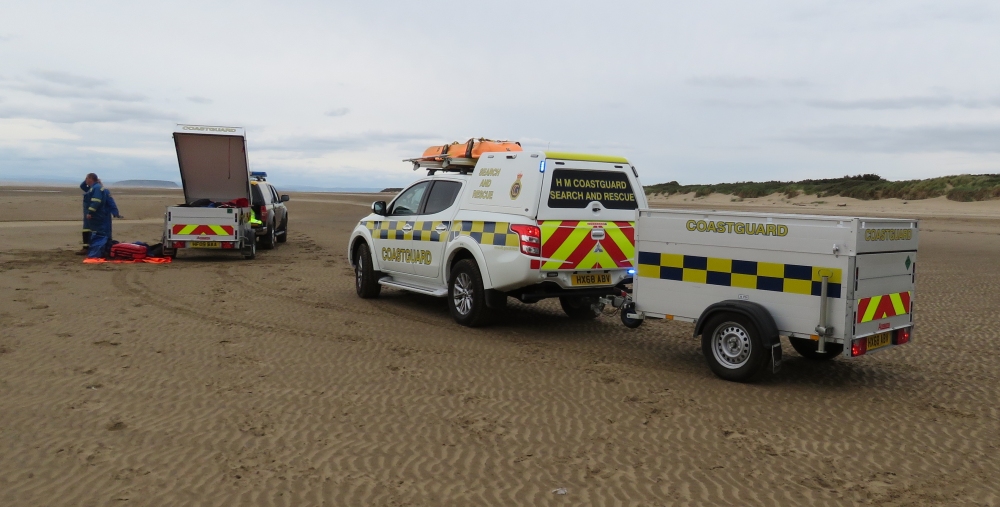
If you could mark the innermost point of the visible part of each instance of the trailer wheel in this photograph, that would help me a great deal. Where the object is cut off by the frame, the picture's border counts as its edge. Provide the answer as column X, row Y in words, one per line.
column 250, row 252
column 581, row 307
column 807, row 349
column 365, row 277
column 733, row 348
column 466, row 296
column 626, row 309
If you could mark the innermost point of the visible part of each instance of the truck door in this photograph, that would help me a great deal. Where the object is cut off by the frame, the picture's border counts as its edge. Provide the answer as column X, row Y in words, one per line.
column 430, row 229
column 393, row 235
column 586, row 214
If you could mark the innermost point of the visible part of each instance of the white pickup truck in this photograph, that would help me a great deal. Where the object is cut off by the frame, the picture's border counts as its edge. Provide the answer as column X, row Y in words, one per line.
column 835, row 286
column 527, row 225
column 216, row 213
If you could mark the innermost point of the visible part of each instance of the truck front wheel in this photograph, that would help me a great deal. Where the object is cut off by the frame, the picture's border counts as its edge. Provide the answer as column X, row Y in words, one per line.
column 732, row 345
column 466, row 296
column 808, row 349
column 365, row 276
column 581, row 307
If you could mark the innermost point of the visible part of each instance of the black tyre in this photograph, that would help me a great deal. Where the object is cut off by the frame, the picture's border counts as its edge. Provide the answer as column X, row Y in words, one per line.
column 626, row 309
column 807, row 349
column 268, row 240
column 466, row 296
column 250, row 251
column 284, row 231
column 581, row 307
column 733, row 347
column 365, row 276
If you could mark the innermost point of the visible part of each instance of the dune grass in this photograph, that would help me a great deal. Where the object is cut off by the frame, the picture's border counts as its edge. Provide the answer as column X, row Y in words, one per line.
column 965, row 187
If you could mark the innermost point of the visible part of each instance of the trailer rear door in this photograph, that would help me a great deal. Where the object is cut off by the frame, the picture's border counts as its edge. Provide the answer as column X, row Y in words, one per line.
column 213, row 163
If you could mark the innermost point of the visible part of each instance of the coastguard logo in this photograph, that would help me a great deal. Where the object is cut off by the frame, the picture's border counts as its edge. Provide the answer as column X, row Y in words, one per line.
column 515, row 189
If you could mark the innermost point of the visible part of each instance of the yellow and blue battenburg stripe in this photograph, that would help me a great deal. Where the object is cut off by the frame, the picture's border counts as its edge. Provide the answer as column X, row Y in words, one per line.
column 769, row 276
column 421, row 230
column 486, row 233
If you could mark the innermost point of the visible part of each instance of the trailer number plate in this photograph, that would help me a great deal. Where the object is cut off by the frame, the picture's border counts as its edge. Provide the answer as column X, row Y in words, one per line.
column 205, row 244
column 879, row 340
column 594, row 279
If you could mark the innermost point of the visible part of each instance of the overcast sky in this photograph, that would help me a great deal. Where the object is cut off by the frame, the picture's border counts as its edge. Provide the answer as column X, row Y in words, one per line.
column 335, row 94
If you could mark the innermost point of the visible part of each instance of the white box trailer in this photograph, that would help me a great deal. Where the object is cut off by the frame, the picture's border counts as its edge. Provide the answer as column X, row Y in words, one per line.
column 214, row 169
column 832, row 285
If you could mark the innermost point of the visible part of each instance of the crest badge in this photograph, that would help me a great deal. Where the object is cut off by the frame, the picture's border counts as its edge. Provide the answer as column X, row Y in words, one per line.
column 515, row 189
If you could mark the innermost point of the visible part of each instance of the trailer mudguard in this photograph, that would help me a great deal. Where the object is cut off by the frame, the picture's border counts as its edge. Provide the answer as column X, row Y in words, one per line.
column 755, row 312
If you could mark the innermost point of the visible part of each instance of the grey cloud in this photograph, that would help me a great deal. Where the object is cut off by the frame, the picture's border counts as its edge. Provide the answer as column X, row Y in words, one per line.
column 340, row 111
column 93, row 113
column 325, row 144
column 199, row 100
column 924, row 139
column 906, row 103
column 67, row 79
column 727, row 81
column 56, row 84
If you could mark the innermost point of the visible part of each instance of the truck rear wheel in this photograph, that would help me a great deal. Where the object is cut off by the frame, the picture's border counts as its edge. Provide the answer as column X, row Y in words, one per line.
column 284, row 231
column 807, row 349
column 581, row 307
column 365, row 276
column 268, row 240
column 466, row 296
column 732, row 345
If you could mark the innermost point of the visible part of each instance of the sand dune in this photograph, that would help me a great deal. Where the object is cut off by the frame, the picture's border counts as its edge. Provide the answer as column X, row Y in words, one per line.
column 219, row 381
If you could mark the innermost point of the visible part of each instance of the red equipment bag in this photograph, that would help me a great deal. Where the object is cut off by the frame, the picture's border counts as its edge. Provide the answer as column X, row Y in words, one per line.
column 128, row 252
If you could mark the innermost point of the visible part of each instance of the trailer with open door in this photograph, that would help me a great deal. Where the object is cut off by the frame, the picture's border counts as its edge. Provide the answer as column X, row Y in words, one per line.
column 216, row 213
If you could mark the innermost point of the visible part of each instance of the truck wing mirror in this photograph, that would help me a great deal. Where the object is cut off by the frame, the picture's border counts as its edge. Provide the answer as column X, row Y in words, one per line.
column 378, row 207
column 285, row 198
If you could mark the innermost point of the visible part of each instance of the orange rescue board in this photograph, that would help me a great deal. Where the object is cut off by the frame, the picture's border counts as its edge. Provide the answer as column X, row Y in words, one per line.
column 473, row 148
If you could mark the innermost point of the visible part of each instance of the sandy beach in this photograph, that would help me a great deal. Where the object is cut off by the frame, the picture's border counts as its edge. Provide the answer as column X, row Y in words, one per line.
column 218, row 381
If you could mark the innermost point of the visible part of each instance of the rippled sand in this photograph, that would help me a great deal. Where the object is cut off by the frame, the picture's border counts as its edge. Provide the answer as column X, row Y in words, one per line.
column 219, row 381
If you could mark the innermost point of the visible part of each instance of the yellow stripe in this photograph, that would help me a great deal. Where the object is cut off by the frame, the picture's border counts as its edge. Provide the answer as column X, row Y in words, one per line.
column 623, row 243
column 188, row 229
column 897, row 304
column 870, row 311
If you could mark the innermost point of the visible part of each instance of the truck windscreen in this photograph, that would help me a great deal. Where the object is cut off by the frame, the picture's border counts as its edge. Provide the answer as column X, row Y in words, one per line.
column 575, row 188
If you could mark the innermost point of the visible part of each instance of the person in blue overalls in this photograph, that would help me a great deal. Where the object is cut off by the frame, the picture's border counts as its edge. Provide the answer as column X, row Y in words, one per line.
column 100, row 208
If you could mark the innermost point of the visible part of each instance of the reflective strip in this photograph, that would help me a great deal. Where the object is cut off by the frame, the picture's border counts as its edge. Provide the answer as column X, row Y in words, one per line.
column 421, row 230
column 884, row 306
column 769, row 276
column 570, row 244
column 202, row 230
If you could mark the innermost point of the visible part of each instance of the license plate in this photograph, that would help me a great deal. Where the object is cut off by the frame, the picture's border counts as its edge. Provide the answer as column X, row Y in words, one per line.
column 594, row 279
column 206, row 244
column 879, row 340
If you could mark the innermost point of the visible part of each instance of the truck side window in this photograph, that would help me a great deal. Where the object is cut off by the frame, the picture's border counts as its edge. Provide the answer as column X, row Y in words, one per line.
column 274, row 195
column 408, row 203
column 442, row 196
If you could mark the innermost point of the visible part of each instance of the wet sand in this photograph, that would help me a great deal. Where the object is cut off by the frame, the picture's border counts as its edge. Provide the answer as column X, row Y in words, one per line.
column 219, row 381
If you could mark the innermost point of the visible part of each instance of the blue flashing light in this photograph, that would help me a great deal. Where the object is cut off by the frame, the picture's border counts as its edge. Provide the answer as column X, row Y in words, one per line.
column 541, row 166
column 258, row 174
column 631, row 271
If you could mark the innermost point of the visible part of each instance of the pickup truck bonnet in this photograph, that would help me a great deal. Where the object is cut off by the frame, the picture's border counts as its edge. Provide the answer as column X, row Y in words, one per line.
column 213, row 162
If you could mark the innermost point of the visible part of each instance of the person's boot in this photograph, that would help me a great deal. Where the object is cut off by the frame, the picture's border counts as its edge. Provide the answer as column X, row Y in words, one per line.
column 84, row 250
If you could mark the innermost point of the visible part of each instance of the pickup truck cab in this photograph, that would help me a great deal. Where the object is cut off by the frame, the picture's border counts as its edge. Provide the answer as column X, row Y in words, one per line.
column 270, row 210
column 525, row 225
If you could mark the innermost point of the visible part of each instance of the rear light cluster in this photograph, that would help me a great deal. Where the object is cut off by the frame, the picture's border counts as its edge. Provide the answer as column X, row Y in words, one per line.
column 530, row 237
column 859, row 347
column 179, row 244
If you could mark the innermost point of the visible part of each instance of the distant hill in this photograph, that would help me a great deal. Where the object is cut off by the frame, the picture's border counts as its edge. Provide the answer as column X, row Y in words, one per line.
column 146, row 184
column 965, row 187
column 391, row 189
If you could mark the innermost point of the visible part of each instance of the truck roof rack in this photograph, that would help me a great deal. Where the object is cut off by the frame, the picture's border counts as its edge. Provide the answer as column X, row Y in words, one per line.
column 443, row 163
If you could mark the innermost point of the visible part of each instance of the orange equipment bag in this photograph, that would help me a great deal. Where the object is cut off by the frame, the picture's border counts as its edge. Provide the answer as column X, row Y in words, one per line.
column 472, row 148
